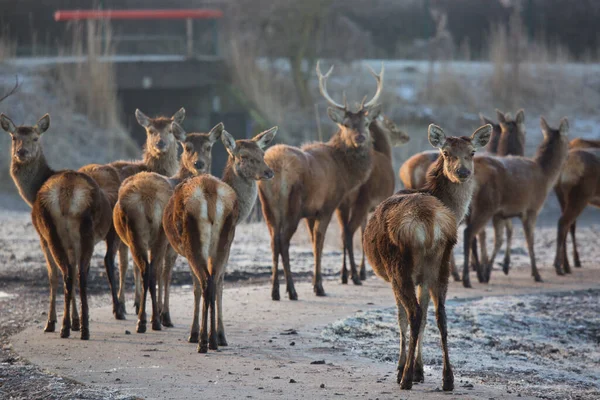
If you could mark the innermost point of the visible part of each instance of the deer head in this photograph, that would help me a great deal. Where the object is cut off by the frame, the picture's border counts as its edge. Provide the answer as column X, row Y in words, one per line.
column 25, row 139
column 159, row 131
column 515, row 126
column 354, row 126
column 247, row 155
column 552, row 135
column 197, row 148
column 397, row 136
column 458, row 152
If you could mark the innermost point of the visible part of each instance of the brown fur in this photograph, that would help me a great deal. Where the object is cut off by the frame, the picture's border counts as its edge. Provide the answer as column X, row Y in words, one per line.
column 409, row 239
column 69, row 213
column 162, row 161
column 312, row 181
column 354, row 209
column 577, row 186
column 580, row 143
column 138, row 221
column 200, row 221
column 515, row 187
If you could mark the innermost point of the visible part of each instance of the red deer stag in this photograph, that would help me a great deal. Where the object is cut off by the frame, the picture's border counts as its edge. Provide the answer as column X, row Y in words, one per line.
column 312, row 181
column 354, row 210
column 515, row 186
column 69, row 212
column 200, row 221
column 138, row 220
column 409, row 240
column 577, row 186
column 160, row 156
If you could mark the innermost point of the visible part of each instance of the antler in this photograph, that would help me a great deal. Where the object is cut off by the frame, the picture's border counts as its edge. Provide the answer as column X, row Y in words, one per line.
column 379, row 79
column 323, row 89
column 13, row 90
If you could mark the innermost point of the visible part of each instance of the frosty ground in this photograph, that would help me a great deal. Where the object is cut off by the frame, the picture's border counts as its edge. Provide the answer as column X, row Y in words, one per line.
column 510, row 338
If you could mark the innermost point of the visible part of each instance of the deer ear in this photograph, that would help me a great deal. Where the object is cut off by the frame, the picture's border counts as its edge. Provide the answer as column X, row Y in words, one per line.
column 43, row 124
column 263, row 139
column 228, row 142
column 520, row 117
column 544, row 125
column 500, row 116
column 335, row 115
column 215, row 132
column 142, row 118
column 373, row 112
column 564, row 127
column 7, row 124
column 178, row 131
column 481, row 136
column 437, row 137
column 485, row 120
column 179, row 116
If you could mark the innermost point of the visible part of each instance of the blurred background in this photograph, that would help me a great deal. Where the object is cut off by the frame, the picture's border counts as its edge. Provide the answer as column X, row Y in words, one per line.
column 251, row 64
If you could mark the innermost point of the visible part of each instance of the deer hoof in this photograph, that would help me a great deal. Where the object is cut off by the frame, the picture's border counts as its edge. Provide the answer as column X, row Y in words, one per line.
column 141, row 327
column 121, row 309
column 448, row 384
column 75, row 324
column 50, row 326
column 567, row 269
column 456, row 277
column 212, row 343
column 193, row 337
column 405, row 384
column 506, row 267
column 292, row 294
column 156, row 326
column 203, row 347
column 559, row 270
column 538, row 278
column 275, row 295
column 221, row 339
column 344, row 279
column 65, row 332
column 356, row 280
column 85, row 334
column 418, row 375
column 165, row 319
column 137, row 308
column 119, row 312
column 319, row 291
column 363, row 274
column 577, row 263
column 467, row 283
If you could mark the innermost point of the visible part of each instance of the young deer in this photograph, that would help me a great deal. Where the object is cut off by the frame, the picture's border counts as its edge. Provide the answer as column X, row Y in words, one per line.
column 138, row 220
column 515, row 187
column 354, row 209
column 409, row 240
column 160, row 156
column 200, row 221
column 311, row 182
column 577, row 186
column 69, row 212
column 577, row 143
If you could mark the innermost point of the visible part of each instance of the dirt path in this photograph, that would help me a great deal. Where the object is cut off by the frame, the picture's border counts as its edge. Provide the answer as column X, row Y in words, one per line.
column 262, row 360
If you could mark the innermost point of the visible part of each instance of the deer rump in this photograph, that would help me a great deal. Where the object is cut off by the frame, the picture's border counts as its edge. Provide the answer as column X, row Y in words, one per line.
column 411, row 231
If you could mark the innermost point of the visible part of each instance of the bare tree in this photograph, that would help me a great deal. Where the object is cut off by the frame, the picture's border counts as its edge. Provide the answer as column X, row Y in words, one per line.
column 12, row 91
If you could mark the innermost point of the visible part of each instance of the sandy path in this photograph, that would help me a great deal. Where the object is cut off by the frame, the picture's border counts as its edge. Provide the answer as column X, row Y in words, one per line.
column 260, row 361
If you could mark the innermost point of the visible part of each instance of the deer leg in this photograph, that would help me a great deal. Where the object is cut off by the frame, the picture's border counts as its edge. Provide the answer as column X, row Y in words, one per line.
column 403, row 324
column 285, row 259
column 123, row 261
column 574, row 207
column 423, row 295
column 170, row 258
column 576, row 259
column 75, row 321
column 68, row 279
column 474, row 226
column 221, row 339
column 275, row 250
column 212, row 337
column 509, row 233
column 53, row 280
column 139, row 289
column 357, row 219
column 529, row 226
column 363, row 267
column 498, row 223
column 112, row 244
column 140, row 259
column 343, row 214
column 320, row 228
column 87, row 250
column 157, row 259
column 454, row 269
column 484, row 259
column 438, row 295
column 195, row 330
column 475, row 264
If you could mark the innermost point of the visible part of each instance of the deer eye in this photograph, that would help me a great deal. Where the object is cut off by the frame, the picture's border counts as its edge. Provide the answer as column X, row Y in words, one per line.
column 445, row 153
column 35, row 139
column 472, row 154
column 14, row 139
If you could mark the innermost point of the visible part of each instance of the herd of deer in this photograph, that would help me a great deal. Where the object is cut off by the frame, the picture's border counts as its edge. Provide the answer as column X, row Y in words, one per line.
column 159, row 207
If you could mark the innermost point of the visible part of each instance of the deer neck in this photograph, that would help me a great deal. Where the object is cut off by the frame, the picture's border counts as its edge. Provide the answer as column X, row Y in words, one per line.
column 29, row 177
column 164, row 164
column 381, row 141
column 355, row 162
column 550, row 157
column 455, row 196
column 245, row 189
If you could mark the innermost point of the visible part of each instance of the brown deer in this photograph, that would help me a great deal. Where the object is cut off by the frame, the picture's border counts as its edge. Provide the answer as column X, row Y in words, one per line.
column 160, row 156
column 577, row 186
column 409, row 240
column 354, row 210
column 312, row 181
column 580, row 143
column 200, row 221
column 515, row 186
column 69, row 212
column 138, row 220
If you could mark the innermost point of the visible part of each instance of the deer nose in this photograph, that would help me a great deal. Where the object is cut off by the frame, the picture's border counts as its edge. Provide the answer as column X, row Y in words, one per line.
column 463, row 173
column 199, row 165
column 21, row 153
column 160, row 145
column 360, row 139
column 269, row 174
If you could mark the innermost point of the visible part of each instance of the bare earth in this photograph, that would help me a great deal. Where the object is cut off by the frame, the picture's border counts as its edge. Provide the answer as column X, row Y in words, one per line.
column 511, row 338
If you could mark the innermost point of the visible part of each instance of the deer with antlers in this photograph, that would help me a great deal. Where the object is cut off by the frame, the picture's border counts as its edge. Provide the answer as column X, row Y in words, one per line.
column 409, row 240
column 311, row 182
column 353, row 211
column 69, row 212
